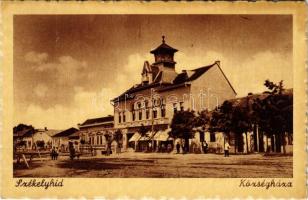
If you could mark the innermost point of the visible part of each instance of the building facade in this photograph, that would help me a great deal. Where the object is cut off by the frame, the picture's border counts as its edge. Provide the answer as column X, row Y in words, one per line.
column 61, row 139
column 94, row 133
column 161, row 92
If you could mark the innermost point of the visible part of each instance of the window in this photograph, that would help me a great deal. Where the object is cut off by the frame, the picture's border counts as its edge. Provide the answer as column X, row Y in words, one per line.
column 90, row 140
column 147, row 114
column 154, row 113
column 97, row 139
column 139, row 105
column 146, row 104
column 133, row 115
column 175, row 108
column 124, row 117
column 119, row 117
column 212, row 137
column 163, row 110
column 182, row 106
column 140, row 115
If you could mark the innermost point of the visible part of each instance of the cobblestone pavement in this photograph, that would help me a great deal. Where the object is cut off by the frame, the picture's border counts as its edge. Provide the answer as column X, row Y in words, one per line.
column 158, row 165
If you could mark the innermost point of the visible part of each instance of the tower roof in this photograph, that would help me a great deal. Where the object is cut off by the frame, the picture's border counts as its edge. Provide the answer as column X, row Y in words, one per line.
column 163, row 48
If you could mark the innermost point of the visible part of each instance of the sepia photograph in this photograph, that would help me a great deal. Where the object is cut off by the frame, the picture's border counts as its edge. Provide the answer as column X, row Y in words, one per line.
column 153, row 96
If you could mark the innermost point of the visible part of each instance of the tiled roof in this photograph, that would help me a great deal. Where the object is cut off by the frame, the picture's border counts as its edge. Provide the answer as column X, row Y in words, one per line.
column 196, row 73
column 164, row 48
column 66, row 132
column 242, row 101
column 24, row 133
column 49, row 132
column 98, row 120
column 170, row 82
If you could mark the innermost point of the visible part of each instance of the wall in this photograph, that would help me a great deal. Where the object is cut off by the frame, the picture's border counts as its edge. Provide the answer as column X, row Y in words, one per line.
column 214, row 89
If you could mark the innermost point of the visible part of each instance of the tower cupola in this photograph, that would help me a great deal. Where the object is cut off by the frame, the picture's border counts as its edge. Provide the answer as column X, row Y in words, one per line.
column 164, row 54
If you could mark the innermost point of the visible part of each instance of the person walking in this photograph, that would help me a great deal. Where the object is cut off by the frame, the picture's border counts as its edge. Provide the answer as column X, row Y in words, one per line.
column 227, row 147
column 205, row 146
column 56, row 154
column 178, row 146
column 53, row 153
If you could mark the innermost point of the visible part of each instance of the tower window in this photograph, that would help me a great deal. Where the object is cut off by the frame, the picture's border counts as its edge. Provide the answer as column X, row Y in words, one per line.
column 119, row 117
column 147, row 113
column 133, row 115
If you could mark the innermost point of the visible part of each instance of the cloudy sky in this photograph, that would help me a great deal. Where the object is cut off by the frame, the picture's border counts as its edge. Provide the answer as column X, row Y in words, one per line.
column 68, row 67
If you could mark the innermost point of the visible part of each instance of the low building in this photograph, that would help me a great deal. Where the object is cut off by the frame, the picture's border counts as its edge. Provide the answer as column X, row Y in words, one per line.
column 94, row 133
column 22, row 137
column 42, row 138
column 61, row 139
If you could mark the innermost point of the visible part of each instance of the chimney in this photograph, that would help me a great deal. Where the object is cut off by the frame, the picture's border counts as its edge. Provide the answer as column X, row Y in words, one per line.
column 46, row 129
column 217, row 62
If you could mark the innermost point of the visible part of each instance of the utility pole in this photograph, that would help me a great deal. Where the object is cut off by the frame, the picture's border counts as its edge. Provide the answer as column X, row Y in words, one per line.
column 152, row 118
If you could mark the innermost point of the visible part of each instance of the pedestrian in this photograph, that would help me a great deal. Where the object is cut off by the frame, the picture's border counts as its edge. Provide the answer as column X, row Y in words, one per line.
column 183, row 148
column 56, row 153
column 150, row 146
column 205, row 147
column 53, row 153
column 178, row 146
column 227, row 147
column 72, row 151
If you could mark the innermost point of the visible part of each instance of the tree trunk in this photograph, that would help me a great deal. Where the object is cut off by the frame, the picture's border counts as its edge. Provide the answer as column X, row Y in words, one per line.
column 261, row 141
column 255, row 138
column 278, row 142
column 246, row 143
column 235, row 143
column 186, row 145
column 283, row 140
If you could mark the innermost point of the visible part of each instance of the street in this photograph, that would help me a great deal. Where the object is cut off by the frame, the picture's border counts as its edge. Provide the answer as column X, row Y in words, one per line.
column 157, row 165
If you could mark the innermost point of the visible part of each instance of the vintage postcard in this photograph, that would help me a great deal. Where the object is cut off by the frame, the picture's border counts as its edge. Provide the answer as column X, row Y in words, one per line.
column 153, row 99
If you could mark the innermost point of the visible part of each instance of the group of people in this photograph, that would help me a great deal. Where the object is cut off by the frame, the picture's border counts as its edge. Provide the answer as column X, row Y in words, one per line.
column 205, row 147
column 54, row 153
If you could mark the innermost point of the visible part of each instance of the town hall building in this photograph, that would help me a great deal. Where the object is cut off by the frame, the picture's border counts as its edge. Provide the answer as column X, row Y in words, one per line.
column 162, row 91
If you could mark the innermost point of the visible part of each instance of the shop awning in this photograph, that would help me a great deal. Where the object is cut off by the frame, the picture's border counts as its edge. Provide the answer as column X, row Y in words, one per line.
column 162, row 135
column 148, row 136
column 135, row 137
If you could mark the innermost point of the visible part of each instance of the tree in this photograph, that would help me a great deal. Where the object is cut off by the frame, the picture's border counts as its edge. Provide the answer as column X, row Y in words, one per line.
column 274, row 113
column 118, row 137
column 182, row 125
column 232, row 117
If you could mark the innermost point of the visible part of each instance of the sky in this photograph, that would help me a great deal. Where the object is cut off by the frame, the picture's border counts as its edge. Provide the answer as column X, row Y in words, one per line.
column 68, row 67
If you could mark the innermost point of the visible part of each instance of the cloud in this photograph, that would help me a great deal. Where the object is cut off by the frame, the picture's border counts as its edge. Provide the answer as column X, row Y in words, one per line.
column 83, row 106
column 40, row 90
column 249, row 75
column 192, row 61
column 36, row 58
column 64, row 71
